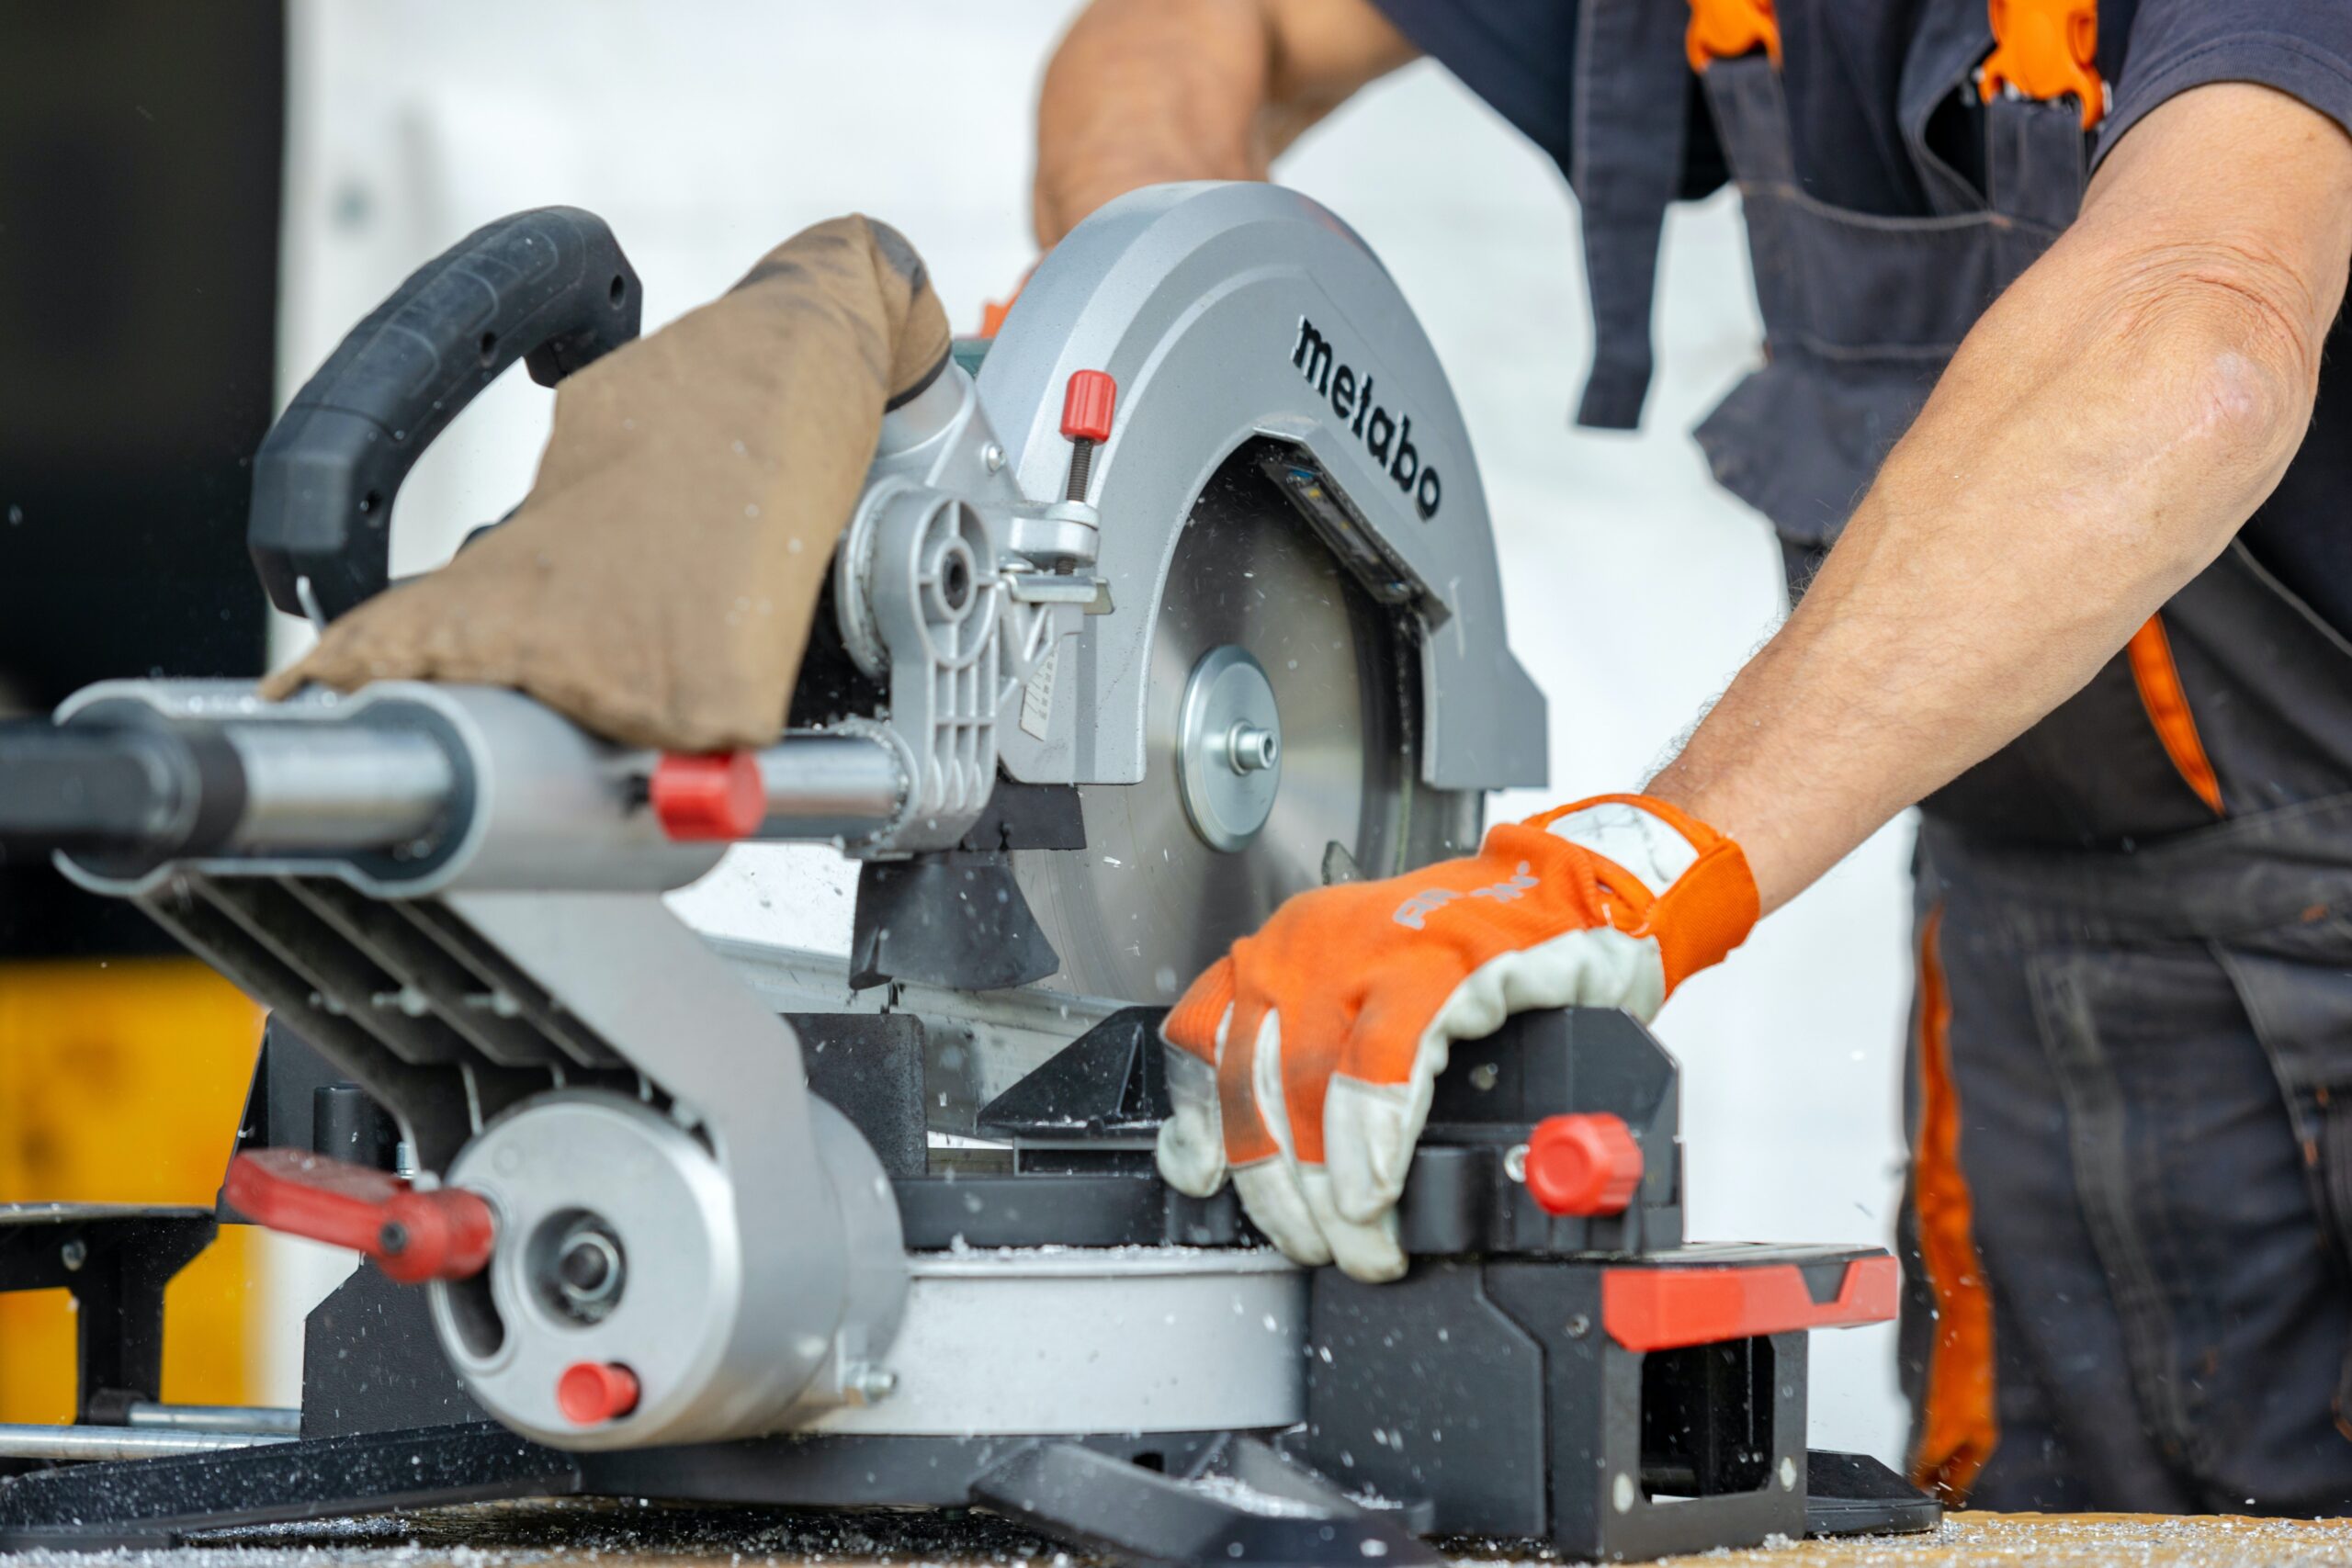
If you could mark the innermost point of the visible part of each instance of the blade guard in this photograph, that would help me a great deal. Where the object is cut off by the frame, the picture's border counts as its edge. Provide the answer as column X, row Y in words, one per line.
column 444, row 1233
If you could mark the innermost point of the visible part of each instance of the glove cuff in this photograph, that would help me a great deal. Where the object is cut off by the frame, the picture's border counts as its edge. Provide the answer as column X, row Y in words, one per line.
column 1705, row 901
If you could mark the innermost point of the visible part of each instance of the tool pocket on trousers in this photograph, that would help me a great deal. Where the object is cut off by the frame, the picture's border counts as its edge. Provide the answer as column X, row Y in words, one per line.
column 2104, row 1015
column 2296, row 986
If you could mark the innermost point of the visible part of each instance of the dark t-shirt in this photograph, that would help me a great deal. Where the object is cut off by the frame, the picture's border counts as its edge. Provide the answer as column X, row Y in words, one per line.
column 1842, row 66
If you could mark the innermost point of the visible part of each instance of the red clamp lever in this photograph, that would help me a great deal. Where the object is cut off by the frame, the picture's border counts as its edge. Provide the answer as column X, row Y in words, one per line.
column 702, row 798
column 1087, row 405
column 446, row 1234
column 1585, row 1164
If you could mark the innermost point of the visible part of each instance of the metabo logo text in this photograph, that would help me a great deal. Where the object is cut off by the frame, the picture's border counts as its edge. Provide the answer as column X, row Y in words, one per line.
column 1388, row 437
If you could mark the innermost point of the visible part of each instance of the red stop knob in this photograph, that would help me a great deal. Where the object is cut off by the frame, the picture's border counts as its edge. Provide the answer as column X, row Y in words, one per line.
column 1087, row 406
column 717, row 796
column 1585, row 1164
column 594, row 1392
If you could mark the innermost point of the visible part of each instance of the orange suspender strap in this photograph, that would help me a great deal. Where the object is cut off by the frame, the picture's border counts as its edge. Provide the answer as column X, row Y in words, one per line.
column 1726, row 30
column 2158, row 678
column 2046, row 48
column 1958, row 1426
column 2041, row 48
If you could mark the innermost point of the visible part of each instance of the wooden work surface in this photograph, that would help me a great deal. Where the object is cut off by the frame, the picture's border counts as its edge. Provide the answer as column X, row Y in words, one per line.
column 626, row 1536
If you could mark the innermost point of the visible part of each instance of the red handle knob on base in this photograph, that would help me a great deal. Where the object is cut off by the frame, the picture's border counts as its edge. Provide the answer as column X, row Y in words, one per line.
column 1585, row 1164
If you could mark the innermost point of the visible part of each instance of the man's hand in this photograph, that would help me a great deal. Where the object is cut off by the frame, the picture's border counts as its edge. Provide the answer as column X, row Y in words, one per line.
column 1142, row 92
column 2100, row 437
column 658, row 584
column 1304, row 1061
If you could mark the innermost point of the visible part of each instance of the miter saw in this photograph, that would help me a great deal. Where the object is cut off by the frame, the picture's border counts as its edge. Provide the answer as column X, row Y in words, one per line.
column 1175, row 599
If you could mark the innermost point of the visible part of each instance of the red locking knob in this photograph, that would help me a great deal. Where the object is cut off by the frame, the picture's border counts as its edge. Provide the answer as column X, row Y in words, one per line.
column 1087, row 405
column 717, row 797
column 444, row 1234
column 1585, row 1164
column 591, row 1392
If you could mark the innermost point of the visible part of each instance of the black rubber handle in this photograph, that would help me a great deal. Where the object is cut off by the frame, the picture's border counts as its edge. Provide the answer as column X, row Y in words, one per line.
column 548, row 286
column 135, row 796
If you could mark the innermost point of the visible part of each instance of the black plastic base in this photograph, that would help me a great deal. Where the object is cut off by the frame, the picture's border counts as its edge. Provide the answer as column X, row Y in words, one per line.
column 115, row 1259
column 1856, row 1495
column 156, row 1502
column 1202, row 1498
column 1179, row 1497
column 1496, row 1392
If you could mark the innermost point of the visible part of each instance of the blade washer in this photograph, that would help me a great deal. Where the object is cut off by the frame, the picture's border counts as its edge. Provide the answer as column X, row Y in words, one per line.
column 1229, row 750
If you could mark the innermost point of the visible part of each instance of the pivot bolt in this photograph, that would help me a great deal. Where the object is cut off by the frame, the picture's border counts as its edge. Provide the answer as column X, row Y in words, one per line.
column 588, row 1272
column 1251, row 749
column 869, row 1384
column 578, row 1266
column 1229, row 748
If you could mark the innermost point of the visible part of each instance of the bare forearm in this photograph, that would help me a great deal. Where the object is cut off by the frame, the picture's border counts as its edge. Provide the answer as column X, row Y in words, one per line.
column 1146, row 91
column 2099, row 438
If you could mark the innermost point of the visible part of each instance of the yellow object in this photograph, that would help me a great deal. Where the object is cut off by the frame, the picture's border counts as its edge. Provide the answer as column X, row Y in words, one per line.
column 122, row 1081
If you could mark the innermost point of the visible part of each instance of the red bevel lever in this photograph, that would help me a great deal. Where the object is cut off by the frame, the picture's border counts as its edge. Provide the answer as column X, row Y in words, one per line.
column 446, row 1234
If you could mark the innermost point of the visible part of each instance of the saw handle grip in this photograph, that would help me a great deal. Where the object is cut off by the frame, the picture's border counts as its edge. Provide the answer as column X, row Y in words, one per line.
column 137, row 796
column 550, row 286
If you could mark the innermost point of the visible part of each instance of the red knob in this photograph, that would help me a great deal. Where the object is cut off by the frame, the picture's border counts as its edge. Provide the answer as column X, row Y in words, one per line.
column 1585, row 1164
column 1088, row 404
column 590, row 1393
column 717, row 797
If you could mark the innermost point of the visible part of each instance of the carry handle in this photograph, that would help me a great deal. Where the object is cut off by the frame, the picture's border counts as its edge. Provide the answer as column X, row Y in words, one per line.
column 550, row 286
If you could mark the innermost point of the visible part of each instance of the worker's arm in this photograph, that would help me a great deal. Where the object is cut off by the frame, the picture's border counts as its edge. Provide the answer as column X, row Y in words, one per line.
column 2105, row 430
column 1146, row 91
column 2100, row 437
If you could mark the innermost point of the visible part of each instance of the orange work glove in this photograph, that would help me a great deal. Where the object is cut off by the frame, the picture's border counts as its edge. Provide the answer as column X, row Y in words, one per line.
column 1304, row 1061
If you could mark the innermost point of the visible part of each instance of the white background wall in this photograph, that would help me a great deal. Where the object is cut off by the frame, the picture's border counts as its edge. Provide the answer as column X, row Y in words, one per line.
column 706, row 130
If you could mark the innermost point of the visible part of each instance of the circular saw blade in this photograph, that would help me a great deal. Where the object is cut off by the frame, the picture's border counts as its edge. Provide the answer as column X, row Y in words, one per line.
column 1147, row 905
